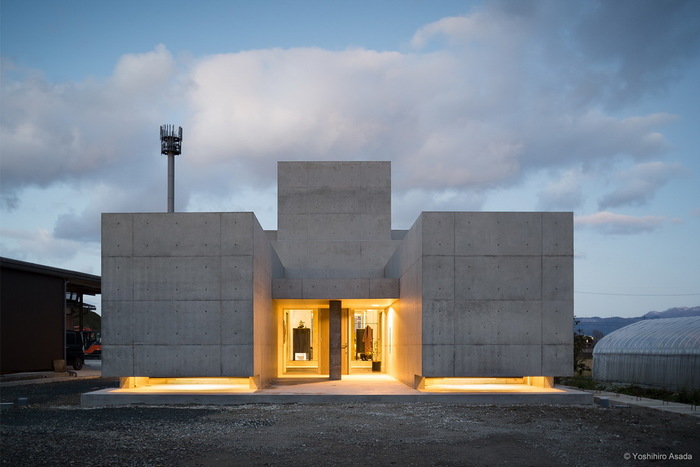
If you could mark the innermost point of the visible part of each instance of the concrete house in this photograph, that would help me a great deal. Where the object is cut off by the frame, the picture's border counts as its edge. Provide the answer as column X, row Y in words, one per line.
column 335, row 291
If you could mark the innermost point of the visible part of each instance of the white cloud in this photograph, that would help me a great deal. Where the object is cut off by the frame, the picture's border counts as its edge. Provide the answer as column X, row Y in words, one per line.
column 638, row 185
column 592, row 137
column 457, row 30
column 85, row 224
column 422, row 110
column 508, row 94
column 37, row 245
column 51, row 133
column 304, row 102
column 646, row 54
column 407, row 205
column 611, row 223
column 142, row 74
column 564, row 192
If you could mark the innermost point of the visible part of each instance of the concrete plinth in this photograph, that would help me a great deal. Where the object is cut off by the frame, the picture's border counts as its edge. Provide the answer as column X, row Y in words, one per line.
column 351, row 389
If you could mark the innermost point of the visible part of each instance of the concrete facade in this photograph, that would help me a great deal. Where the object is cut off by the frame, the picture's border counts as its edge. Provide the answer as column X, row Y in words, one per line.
column 462, row 294
column 187, row 294
column 485, row 294
column 334, row 219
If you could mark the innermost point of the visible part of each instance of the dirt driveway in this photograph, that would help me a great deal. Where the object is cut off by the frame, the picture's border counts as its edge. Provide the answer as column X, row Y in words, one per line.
column 54, row 430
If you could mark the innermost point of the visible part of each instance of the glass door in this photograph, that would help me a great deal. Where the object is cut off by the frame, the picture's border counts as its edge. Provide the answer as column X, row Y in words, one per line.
column 365, row 341
column 301, row 341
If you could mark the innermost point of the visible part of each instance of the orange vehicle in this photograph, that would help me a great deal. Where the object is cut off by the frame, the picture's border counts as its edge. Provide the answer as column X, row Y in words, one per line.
column 93, row 343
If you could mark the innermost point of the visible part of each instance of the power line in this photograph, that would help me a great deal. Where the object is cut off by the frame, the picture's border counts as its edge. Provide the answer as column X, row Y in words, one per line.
column 640, row 294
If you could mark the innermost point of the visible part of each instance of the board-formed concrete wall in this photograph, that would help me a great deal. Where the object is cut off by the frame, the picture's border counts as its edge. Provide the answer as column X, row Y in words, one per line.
column 334, row 219
column 479, row 294
column 266, row 268
column 405, row 358
column 183, row 294
column 496, row 292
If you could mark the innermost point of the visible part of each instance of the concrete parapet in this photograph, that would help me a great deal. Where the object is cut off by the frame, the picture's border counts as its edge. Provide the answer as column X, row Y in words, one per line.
column 328, row 289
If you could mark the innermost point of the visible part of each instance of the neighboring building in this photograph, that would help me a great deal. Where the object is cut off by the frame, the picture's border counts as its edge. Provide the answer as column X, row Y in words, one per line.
column 335, row 290
column 36, row 307
column 663, row 353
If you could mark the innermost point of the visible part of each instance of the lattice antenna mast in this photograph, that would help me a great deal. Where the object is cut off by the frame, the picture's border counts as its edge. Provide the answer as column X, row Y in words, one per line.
column 171, row 146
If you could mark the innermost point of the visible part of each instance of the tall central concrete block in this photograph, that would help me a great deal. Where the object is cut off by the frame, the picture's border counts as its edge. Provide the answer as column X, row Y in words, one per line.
column 334, row 219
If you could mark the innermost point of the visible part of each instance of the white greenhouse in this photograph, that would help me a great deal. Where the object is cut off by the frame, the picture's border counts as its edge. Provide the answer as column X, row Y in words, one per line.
column 663, row 353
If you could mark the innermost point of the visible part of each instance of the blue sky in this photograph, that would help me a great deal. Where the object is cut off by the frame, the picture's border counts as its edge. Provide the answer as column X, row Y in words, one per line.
column 582, row 106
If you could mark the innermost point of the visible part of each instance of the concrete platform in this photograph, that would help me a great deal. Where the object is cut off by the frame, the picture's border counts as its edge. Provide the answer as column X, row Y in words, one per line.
column 351, row 389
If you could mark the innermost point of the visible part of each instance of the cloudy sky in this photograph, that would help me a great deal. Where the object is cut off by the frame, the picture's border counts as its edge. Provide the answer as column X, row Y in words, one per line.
column 584, row 106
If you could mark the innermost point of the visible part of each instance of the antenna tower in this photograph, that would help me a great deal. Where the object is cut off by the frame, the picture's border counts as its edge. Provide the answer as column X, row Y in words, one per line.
column 171, row 146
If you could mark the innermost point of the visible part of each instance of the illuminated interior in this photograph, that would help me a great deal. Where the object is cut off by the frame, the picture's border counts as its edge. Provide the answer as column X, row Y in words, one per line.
column 304, row 346
column 301, row 341
column 367, row 328
column 365, row 340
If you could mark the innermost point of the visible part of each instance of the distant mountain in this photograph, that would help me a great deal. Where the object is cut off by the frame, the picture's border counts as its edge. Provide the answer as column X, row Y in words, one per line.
column 681, row 312
column 589, row 326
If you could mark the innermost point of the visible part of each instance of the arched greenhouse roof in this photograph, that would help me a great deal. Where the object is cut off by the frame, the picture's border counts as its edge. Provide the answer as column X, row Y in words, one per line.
column 664, row 336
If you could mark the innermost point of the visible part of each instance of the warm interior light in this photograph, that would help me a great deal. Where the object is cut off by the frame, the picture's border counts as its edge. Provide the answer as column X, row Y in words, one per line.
column 365, row 383
column 522, row 384
column 189, row 385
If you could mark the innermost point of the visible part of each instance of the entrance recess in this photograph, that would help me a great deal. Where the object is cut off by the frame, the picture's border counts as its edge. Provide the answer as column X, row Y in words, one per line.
column 326, row 339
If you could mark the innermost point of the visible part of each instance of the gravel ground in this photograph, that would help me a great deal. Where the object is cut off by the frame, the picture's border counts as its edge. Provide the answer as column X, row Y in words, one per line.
column 54, row 430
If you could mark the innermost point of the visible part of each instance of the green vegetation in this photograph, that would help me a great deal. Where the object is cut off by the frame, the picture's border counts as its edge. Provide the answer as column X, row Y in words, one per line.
column 583, row 382
column 91, row 320
column 684, row 397
column 587, row 383
column 581, row 343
